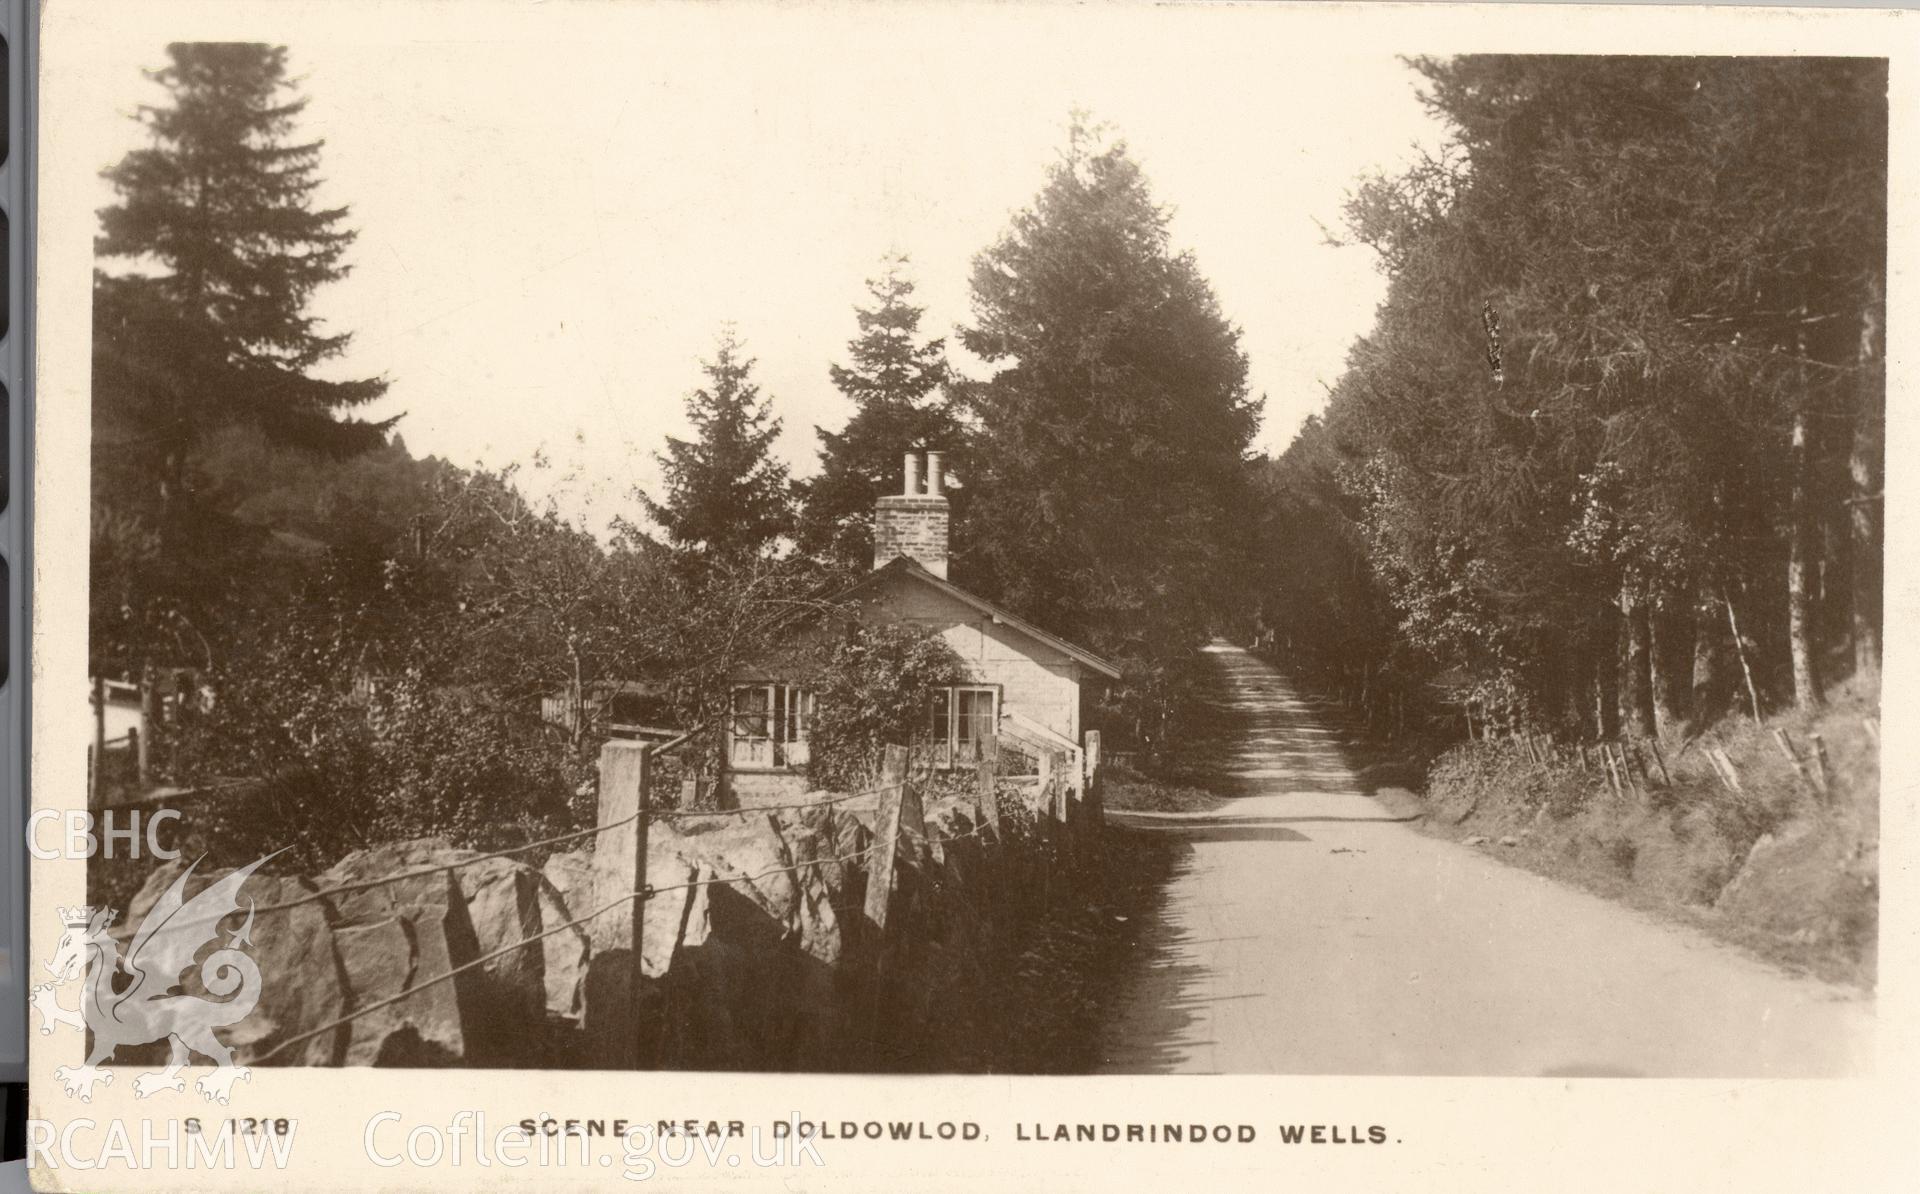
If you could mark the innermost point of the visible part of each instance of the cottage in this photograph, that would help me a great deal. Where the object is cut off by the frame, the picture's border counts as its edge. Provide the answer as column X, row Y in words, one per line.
column 1025, row 684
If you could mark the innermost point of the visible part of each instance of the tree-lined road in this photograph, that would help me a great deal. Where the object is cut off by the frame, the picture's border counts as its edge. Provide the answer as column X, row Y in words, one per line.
column 1307, row 931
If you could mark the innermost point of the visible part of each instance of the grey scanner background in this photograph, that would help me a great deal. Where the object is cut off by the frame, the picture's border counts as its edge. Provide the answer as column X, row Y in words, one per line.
column 16, row 369
column 21, row 31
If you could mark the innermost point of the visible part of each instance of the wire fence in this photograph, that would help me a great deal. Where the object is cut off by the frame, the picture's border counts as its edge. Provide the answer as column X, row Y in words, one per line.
column 646, row 893
column 457, row 864
column 756, row 809
column 888, row 840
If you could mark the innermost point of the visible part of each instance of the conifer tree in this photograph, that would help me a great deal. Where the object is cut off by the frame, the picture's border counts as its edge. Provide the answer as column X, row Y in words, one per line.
column 1109, row 463
column 894, row 382
column 725, row 494
column 1621, row 403
column 222, row 202
column 209, row 255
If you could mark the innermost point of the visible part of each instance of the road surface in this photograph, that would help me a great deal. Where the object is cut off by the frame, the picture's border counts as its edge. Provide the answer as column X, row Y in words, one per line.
column 1307, row 931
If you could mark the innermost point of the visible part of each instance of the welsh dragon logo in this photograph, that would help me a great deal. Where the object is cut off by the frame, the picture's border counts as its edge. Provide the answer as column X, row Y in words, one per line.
column 137, row 999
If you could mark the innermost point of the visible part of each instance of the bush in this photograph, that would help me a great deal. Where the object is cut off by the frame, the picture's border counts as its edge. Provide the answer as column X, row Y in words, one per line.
column 873, row 689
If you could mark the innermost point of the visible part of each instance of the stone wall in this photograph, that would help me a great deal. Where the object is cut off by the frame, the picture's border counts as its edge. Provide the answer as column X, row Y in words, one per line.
column 755, row 952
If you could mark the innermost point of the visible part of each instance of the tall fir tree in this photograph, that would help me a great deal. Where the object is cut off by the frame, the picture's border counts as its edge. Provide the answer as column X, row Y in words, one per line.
column 203, row 329
column 724, row 494
column 222, row 202
column 895, row 382
column 1109, row 459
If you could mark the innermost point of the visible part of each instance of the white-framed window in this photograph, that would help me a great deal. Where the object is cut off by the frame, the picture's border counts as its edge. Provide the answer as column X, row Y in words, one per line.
column 959, row 719
column 769, row 726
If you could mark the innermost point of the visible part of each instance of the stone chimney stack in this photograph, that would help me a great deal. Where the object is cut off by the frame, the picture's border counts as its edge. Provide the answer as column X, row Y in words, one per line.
column 913, row 523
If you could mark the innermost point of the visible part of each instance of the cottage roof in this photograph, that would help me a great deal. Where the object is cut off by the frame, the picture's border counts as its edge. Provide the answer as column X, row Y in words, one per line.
column 906, row 567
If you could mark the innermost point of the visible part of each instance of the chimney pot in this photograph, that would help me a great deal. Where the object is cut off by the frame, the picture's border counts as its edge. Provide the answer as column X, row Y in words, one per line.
column 914, row 523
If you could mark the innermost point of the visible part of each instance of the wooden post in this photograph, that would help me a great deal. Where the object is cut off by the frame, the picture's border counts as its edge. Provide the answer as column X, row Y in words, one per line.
column 1049, row 825
column 620, row 874
column 886, row 839
column 1800, row 767
column 1725, row 763
column 141, row 763
column 986, row 802
column 1066, row 773
column 913, row 813
column 1073, row 799
column 1044, row 758
column 1058, row 771
column 95, row 785
column 1822, row 770
column 1629, row 763
column 1095, row 807
column 1666, row 776
column 1719, row 768
column 986, row 792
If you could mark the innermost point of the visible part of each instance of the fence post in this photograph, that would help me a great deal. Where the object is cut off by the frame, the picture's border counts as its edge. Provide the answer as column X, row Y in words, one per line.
column 886, row 839
column 1798, row 763
column 620, row 872
column 143, row 770
column 96, row 787
column 1822, row 768
column 1044, row 823
column 1074, row 797
column 986, row 792
column 1095, row 807
column 1723, row 762
column 1666, row 776
column 913, row 811
column 886, row 842
column 1061, row 774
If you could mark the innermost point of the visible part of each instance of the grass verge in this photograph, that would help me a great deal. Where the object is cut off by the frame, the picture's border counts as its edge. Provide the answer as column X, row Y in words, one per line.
column 1752, row 851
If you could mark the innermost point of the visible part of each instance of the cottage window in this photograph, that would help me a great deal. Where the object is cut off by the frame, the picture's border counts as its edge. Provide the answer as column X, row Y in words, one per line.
column 959, row 720
column 770, row 725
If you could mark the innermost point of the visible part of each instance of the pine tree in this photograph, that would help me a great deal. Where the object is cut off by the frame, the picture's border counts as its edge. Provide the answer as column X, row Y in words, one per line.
column 894, row 382
column 725, row 494
column 222, row 203
column 1109, row 464
column 203, row 331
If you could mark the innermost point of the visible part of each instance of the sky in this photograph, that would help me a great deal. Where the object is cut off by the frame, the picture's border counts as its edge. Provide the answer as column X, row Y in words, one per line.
column 553, row 231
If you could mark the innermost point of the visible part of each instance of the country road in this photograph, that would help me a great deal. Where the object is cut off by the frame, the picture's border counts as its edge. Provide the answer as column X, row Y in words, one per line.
column 1307, row 931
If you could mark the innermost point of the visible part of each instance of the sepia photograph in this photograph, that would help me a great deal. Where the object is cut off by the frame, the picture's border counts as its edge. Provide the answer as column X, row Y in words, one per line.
column 809, row 541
